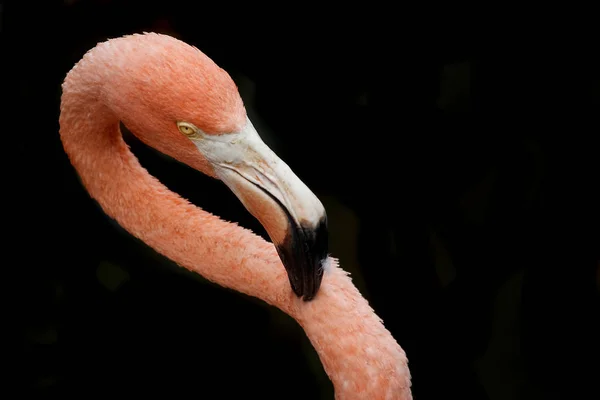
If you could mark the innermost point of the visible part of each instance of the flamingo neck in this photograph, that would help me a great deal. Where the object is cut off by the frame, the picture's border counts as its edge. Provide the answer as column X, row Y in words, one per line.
column 220, row 251
column 358, row 353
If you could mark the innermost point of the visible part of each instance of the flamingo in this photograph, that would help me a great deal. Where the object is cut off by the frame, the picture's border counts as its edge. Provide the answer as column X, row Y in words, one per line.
column 177, row 100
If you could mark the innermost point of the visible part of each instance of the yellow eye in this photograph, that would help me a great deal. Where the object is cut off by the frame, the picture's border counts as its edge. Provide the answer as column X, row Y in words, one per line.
column 186, row 128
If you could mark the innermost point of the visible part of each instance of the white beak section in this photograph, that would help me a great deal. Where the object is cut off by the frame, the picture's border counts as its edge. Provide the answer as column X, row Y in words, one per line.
column 292, row 215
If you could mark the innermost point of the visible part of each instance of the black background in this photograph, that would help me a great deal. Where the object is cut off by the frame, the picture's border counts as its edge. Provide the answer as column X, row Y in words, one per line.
column 455, row 156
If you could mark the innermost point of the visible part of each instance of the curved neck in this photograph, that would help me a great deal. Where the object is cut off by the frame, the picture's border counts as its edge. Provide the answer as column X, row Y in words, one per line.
column 220, row 251
column 358, row 353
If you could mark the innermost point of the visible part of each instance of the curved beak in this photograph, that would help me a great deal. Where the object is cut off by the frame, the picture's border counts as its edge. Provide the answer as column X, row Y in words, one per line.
column 291, row 214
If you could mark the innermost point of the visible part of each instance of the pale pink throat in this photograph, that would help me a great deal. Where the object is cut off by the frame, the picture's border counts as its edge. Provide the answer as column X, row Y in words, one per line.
column 358, row 353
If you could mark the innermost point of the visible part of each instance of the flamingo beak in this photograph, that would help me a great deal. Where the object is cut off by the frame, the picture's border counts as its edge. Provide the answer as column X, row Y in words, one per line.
column 291, row 214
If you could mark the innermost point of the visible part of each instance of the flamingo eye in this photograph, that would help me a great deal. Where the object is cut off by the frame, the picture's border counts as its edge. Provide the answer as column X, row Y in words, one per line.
column 187, row 129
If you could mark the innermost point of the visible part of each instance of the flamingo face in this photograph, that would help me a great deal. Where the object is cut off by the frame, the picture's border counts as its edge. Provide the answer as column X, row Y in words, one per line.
column 177, row 100
column 293, row 216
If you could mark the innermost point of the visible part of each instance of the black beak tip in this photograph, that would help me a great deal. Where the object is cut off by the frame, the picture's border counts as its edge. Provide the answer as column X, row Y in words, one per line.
column 312, row 284
column 303, row 253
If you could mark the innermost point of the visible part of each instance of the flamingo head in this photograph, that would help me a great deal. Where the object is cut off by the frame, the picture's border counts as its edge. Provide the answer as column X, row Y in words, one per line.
column 177, row 100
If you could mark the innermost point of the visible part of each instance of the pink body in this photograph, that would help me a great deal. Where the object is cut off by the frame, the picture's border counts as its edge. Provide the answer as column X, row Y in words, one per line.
column 358, row 353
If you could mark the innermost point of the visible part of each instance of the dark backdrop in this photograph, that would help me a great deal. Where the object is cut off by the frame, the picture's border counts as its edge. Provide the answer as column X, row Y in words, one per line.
column 455, row 158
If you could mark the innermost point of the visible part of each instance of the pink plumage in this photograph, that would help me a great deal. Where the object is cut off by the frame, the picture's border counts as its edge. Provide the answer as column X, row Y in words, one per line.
column 148, row 82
